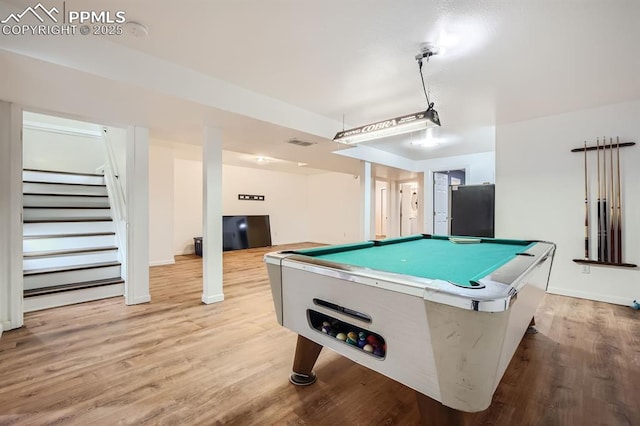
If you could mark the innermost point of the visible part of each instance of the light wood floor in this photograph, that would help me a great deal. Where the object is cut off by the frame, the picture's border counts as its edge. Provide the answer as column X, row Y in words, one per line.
column 177, row 361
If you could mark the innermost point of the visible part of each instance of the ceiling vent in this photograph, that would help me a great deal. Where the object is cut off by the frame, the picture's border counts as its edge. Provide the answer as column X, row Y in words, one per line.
column 300, row 142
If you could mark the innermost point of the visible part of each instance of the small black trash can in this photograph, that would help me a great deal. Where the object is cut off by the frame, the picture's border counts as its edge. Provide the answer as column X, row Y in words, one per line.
column 197, row 244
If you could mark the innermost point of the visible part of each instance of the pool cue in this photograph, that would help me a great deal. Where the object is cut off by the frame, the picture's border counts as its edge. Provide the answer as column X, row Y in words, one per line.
column 605, row 211
column 599, row 202
column 612, row 217
column 586, row 206
column 619, row 210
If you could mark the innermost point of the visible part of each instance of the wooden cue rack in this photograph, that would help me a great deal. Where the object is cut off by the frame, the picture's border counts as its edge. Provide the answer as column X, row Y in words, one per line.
column 605, row 147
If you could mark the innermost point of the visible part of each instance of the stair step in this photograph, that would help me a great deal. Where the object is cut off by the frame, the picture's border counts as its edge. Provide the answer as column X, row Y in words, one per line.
column 30, row 245
column 66, row 201
column 64, row 184
column 51, row 277
column 59, row 228
column 88, row 234
column 71, row 287
column 70, row 220
column 62, row 194
column 39, row 302
column 51, row 253
column 68, row 207
column 69, row 268
column 51, row 214
column 69, row 259
column 32, row 175
column 42, row 188
column 59, row 172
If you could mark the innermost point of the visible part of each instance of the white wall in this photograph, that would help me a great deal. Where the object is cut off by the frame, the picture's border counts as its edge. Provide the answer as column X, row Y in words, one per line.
column 286, row 200
column 334, row 208
column 479, row 168
column 321, row 208
column 381, row 206
column 540, row 194
column 187, row 204
column 53, row 151
column 161, row 202
column 54, row 143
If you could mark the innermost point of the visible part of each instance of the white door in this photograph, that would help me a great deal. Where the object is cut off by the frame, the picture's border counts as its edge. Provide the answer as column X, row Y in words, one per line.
column 440, row 203
column 408, row 210
column 381, row 212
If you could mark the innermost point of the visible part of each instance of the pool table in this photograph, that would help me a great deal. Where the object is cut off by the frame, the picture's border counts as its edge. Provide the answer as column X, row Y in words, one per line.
column 442, row 315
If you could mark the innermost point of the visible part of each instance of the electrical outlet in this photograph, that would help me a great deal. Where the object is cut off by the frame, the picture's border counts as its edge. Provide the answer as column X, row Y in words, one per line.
column 584, row 269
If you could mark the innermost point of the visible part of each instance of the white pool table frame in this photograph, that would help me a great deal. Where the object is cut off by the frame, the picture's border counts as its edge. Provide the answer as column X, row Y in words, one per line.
column 446, row 342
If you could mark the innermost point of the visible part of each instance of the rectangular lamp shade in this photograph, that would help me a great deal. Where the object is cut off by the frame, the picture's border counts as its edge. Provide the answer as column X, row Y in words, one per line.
column 395, row 126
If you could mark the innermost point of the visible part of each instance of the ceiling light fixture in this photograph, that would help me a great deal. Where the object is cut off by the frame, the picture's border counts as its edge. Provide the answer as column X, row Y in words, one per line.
column 399, row 125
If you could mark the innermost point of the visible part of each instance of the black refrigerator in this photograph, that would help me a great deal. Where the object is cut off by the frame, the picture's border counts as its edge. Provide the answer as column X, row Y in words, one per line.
column 472, row 210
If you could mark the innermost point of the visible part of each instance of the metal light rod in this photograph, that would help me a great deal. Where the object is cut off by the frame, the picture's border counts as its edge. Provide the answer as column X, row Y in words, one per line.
column 392, row 127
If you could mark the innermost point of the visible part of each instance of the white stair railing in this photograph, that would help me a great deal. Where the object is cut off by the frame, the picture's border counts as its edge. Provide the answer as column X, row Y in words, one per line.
column 116, row 195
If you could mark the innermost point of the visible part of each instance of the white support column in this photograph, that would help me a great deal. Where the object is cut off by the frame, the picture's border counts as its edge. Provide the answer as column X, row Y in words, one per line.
column 11, row 282
column 428, row 209
column 421, row 204
column 394, row 209
column 367, row 187
column 136, row 270
column 212, row 217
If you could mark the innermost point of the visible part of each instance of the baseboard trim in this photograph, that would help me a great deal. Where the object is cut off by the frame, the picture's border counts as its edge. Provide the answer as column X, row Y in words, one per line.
column 9, row 325
column 590, row 296
column 54, row 300
column 139, row 300
column 212, row 299
column 162, row 262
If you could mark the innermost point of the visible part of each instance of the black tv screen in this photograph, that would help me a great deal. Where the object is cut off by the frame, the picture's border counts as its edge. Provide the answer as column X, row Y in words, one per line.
column 243, row 232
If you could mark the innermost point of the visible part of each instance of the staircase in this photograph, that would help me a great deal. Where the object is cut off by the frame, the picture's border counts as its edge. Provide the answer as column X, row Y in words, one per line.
column 69, row 241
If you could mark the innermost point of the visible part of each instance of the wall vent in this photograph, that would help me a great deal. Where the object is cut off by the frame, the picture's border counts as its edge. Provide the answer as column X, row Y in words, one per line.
column 300, row 142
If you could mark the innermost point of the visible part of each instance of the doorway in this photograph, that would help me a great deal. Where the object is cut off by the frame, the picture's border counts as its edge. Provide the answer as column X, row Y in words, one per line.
column 382, row 209
column 409, row 208
column 442, row 181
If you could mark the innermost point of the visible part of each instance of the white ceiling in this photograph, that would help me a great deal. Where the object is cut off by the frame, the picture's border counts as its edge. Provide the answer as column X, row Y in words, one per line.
column 311, row 65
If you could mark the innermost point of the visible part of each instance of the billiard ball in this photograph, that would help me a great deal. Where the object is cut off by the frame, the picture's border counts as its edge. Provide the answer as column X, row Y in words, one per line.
column 341, row 336
column 368, row 348
column 326, row 324
column 371, row 339
column 352, row 335
column 326, row 328
column 378, row 352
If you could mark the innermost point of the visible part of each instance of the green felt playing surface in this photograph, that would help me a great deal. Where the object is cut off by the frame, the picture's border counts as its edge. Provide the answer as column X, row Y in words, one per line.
column 436, row 258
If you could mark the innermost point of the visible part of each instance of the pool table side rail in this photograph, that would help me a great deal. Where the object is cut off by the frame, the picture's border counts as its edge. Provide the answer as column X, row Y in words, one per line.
column 496, row 295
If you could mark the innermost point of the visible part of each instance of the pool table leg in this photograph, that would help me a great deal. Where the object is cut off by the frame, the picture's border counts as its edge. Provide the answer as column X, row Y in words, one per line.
column 434, row 413
column 307, row 352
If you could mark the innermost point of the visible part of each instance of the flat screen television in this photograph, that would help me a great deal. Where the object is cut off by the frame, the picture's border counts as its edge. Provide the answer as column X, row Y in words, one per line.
column 243, row 232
